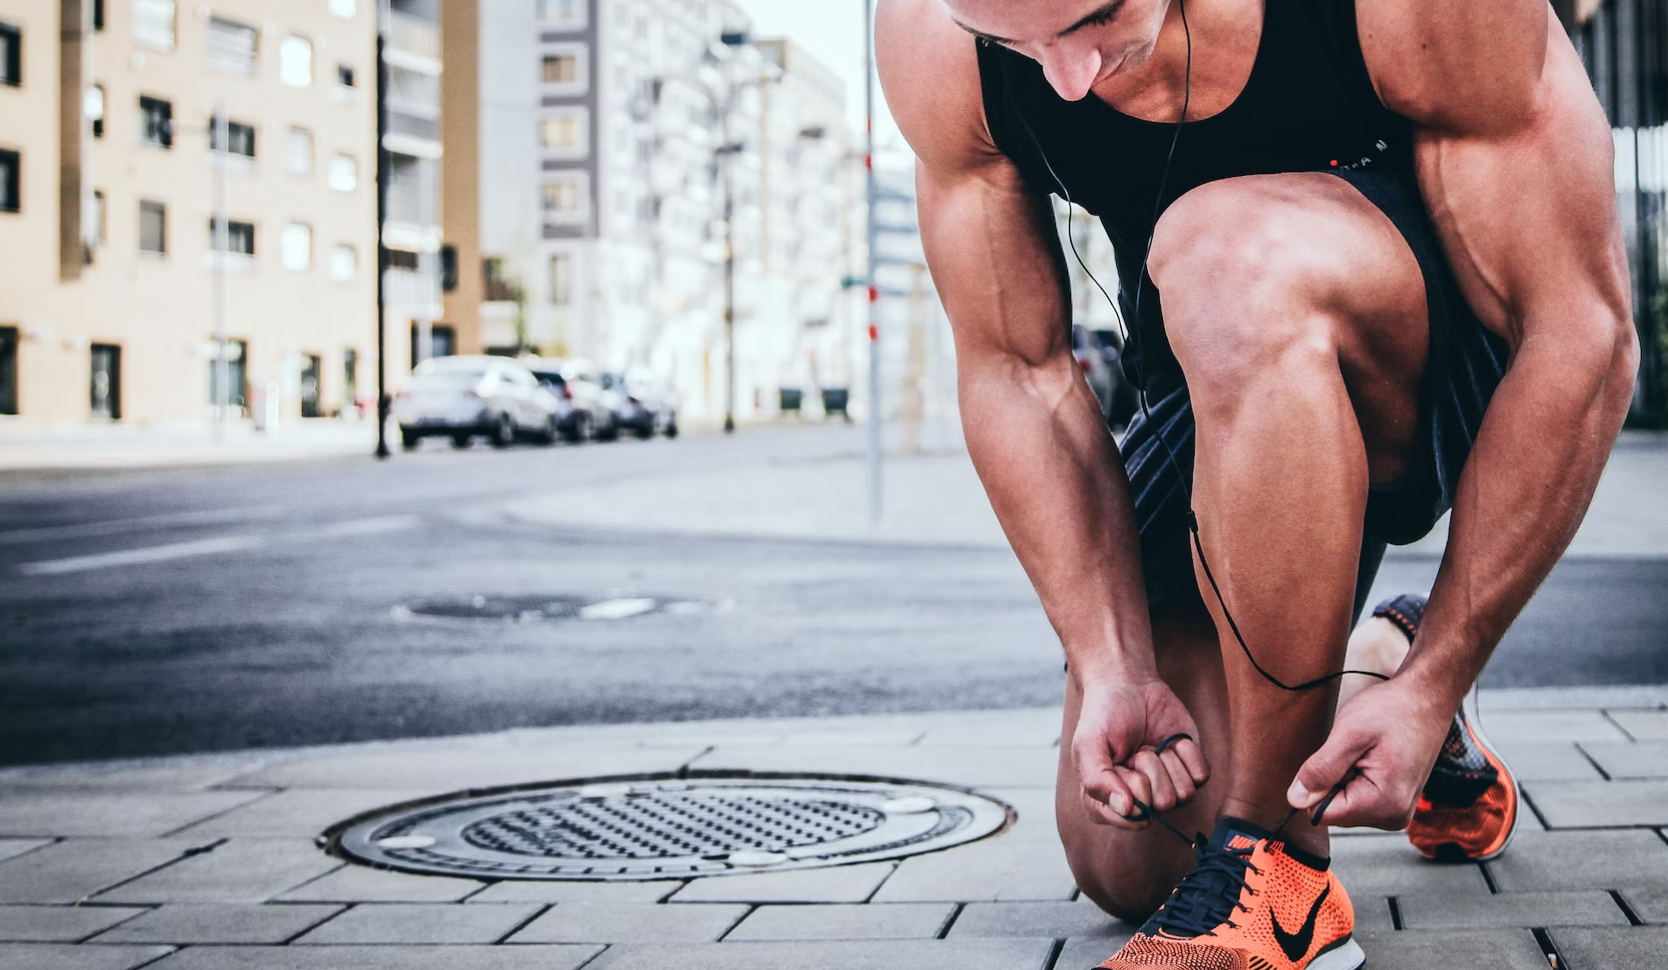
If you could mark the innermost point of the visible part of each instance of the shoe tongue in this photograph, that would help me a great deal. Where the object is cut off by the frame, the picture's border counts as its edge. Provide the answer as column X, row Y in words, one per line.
column 1237, row 834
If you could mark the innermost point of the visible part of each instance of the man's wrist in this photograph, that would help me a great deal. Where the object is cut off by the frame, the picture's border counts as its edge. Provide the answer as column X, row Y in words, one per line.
column 1110, row 665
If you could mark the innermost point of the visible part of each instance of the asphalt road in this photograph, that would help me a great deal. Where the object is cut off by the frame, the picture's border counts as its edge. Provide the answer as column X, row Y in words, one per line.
column 210, row 609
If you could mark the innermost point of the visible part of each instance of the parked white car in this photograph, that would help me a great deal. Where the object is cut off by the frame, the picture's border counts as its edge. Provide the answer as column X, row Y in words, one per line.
column 461, row 397
column 579, row 384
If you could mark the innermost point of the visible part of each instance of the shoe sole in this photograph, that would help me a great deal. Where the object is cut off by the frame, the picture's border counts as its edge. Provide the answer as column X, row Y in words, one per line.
column 1474, row 724
column 1346, row 957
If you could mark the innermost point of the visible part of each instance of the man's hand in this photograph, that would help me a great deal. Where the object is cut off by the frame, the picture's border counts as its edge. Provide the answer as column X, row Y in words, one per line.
column 1120, row 727
column 1382, row 746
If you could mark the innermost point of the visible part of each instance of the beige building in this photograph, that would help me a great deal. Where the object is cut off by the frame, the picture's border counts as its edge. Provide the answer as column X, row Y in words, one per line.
column 108, row 193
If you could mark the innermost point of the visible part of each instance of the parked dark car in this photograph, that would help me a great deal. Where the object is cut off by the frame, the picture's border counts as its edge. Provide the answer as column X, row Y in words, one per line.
column 641, row 405
column 1100, row 354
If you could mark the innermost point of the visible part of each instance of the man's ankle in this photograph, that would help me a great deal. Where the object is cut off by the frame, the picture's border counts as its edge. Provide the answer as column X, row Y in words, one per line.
column 1298, row 832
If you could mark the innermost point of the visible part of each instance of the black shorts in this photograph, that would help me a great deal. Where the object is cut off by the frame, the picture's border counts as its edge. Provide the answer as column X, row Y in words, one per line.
column 1465, row 364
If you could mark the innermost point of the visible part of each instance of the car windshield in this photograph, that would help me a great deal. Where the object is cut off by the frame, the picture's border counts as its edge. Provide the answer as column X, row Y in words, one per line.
column 549, row 377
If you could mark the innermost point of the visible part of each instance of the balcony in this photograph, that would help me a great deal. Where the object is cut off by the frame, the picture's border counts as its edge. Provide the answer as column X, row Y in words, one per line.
column 413, row 43
column 410, row 126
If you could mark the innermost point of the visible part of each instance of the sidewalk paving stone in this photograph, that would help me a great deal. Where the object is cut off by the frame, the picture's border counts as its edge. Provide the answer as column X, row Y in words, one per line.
column 78, row 868
column 1386, row 865
column 1082, row 953
column 240, row 871
column 1548, row 761
column 218, row 923
column 1471, row 949
column 10, row 848
column 1006, row 868
column 58, row 924
column 1057, row 920
column 630, row 923
column 1550, row 726
column 1458, row 912
column 1634, row 948
column 1643, row 725
column 877, row 921
column 299, row 812
column 379, row 958
column 1006, row 954
column 63, row 956
column 555, row 891
column 1630, row 759
column 435, row 770
column 1649, row 904
column 178, row 774
column 56, row 813
column 360, row 884
column 1600, row 804
column 1582, row 860
column 421, row 923
column 837, row 884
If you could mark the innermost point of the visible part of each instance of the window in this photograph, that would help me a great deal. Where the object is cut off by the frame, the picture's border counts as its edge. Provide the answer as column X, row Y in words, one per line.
column 240, row 237
column 560, row 131
column 350, row 378
column 239, row 135
column 448, row 268
column 153, row 228
column 344, row 8
column 8, row 370
column 344, row 173
column 98, row 14
column 402, row 260
column 344, row 263
column 106, row 384
column 561, row 68
column 295, row 247
column 295, row 62
column 344, row 75
column 298, row 152
column 156, row 122
column 499, row 287
column 92, row 105
column 11, row 55
column 98, row 221
column 562, row 13
column 563, row 200
column 231, row 46
column 237, row 375
column 11, row 165
column 153, row 24
column 561, row 279
column 312, row 366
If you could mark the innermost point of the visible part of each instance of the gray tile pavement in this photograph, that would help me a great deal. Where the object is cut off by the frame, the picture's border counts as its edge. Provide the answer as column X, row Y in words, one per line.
column 238, row 871
column 219, row 923
column 421, row 923
column 379, row 958
column 265, row 897
column 879, row 921
column 585, row 922
column 1528, row 909
column 1005, row 954
column 79, row 868
column 358, row 884
column 57, row 956
column 58, row 924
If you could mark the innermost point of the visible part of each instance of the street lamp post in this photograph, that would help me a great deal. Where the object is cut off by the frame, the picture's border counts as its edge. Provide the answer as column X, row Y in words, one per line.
column 382, row 452
column 873, row 292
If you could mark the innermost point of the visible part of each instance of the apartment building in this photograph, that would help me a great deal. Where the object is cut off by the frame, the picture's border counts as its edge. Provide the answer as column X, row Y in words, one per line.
column 110, row 162
column 594, row 148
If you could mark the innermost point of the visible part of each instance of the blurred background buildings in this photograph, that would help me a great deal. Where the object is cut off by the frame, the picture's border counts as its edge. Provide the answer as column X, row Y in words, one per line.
column 642, row 183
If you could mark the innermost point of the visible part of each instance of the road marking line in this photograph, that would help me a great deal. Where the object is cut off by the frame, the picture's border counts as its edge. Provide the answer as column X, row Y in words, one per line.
column 135, row 557
column 619, row 609
column 370, row 527
column 88, row 530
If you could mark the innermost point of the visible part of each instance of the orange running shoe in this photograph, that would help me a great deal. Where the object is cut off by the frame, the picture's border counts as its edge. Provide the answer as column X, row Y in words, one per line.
column 1468, row 809
column 1250, row 903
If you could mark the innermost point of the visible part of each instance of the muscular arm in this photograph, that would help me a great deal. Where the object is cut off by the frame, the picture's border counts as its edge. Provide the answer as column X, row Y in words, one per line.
column 1034, row 429
column 1515, row 162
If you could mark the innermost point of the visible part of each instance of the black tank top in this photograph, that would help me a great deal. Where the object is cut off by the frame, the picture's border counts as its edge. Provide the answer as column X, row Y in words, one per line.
column 1308, row 106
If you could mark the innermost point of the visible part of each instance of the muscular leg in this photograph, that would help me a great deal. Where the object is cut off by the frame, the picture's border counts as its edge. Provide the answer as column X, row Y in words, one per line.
column 1297, row 312
column 1129, row 873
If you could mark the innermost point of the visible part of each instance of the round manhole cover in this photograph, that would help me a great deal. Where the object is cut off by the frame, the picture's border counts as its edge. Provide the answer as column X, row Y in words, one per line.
column 665, row 828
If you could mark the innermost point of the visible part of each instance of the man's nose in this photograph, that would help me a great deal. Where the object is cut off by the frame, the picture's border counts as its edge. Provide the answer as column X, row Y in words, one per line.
column 1070, row 72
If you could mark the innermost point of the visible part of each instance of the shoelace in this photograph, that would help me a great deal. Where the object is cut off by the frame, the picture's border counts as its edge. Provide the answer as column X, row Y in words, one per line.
column 1207, row 896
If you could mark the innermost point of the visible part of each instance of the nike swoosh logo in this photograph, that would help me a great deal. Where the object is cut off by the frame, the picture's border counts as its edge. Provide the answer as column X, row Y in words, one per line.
column 1296, row 944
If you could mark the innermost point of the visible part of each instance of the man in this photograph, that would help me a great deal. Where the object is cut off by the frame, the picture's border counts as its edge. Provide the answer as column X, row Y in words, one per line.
column 1385, row 279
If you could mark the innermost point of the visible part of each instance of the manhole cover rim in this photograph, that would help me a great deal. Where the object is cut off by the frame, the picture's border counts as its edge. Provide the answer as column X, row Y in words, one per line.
column 354, row 839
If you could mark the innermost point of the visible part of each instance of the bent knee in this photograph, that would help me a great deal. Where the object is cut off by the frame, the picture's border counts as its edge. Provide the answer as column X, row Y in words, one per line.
column 1121, row 902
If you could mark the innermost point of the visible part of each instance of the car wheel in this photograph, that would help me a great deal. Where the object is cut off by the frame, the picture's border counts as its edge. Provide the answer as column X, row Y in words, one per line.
column 503, row 435
column 460, row 441
column 409, row 439
column 609, row 431
column 672, row 426
column 579, row 429
column 644, row 431
column 552, row 430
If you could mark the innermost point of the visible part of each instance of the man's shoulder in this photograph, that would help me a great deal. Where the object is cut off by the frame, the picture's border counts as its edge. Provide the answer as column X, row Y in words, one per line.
column 929, row 69
column 1465, row 65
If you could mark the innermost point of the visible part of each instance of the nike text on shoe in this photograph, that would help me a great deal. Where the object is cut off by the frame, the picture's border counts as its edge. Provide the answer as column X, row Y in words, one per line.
column 1250, row 903
column 1468, row 809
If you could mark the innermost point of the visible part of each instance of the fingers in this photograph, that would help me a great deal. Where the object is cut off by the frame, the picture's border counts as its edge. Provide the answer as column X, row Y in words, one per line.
column 1192, row 758
column 1180, row 778
column 1326, row 768
column 1151, row 769
column 1107, row 797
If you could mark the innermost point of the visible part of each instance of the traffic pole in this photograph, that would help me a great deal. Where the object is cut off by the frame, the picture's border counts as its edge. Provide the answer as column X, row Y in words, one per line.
column 873, row 290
